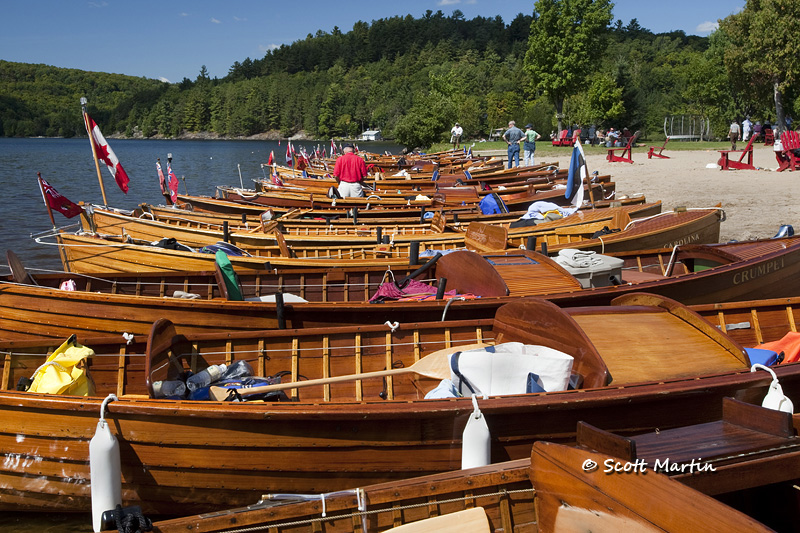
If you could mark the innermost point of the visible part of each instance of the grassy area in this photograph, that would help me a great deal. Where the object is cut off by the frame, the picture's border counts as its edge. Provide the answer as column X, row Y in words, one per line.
column 544, row 149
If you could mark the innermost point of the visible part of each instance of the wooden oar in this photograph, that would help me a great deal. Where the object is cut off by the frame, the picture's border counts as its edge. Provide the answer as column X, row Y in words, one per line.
column 435, row 365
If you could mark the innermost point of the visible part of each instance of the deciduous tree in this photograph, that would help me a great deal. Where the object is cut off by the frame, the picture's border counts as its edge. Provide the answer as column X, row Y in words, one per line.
column 566, row 39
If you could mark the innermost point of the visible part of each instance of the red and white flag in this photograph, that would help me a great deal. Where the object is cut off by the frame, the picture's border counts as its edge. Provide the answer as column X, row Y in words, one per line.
column 53, row 199
column 107, row 155
column 333, row 148
column 173, row 183
column 271, row 158
column 289, row 152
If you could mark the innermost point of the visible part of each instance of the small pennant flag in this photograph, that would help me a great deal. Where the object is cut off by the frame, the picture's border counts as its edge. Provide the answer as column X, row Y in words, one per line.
column 271, row 159
column 173, row 183
column 107, row 156
column 53, row 199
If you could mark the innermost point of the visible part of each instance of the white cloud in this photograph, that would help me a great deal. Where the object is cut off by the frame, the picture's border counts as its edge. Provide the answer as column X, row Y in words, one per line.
column 268, row 47
column 448, row 2
column 165, row 80
column 216, row 21
column 183, row 14
column 707, row 27
column 98, row 4
column 239, row 19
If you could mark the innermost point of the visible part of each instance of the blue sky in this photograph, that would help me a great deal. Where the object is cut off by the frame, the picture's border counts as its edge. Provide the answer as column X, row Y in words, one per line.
column 172, row 39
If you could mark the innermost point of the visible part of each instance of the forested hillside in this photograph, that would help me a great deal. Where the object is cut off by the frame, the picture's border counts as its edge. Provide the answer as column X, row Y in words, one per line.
column 410, row 77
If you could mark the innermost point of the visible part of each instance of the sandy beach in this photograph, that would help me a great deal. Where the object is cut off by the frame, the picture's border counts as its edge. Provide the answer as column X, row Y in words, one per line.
column 756, row 202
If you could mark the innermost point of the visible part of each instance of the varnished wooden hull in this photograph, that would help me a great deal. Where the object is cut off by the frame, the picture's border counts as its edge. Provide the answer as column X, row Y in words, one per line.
column 766, row 269
column 97, row 256
column 695, row 228
column 184, row 457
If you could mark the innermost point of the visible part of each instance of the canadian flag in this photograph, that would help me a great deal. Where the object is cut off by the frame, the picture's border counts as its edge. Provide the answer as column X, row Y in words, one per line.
column 107, row 156
column 55, row 201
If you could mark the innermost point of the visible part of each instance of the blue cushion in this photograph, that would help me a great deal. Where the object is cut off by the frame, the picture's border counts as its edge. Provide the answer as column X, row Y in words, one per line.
column 761, row 356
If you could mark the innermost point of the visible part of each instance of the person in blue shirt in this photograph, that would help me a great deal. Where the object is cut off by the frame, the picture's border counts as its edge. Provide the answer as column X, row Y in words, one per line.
column 513, row 136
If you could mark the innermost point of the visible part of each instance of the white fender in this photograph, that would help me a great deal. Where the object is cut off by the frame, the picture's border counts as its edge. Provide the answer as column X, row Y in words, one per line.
column 476, row 445
column 104, row 468
column 775, row 399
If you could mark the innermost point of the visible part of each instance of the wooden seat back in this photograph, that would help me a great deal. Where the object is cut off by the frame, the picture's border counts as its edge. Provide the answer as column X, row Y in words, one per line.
column 482, row 237
column 469, row 272
column 790, row 140
column 18, row 272
column 537, row 321
column 438, row 222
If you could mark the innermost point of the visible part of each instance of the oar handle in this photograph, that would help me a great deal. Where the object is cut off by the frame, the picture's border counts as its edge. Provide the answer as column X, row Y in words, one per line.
column 221, row 392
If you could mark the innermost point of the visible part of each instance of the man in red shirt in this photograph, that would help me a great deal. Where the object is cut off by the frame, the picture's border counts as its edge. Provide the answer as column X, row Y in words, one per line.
column 350, row 171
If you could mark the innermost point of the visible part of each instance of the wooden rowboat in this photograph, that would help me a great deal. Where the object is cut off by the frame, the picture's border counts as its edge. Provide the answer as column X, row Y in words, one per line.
column 552, row 492
column 207, row 204
column 117, row 303
column 184, row 456
column 120, row 253
column 437, row 234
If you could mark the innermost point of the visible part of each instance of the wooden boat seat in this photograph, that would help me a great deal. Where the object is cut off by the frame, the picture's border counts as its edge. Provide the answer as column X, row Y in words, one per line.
column 744, row 430
column 636, row 276
column 472, row 520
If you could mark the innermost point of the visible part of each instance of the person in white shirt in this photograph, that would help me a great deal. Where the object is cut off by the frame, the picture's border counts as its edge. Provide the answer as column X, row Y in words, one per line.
column 455, row 135
column 747, row 127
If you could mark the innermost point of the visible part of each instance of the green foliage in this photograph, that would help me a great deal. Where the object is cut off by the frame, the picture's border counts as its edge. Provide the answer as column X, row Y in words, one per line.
column 414, row 77
column 566, row 38
column 761, row 51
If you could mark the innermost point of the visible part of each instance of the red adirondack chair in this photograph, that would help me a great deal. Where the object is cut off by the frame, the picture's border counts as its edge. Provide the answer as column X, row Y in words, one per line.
column 726, row 163
column 561, row 140
column 652, row 153
column 769, row 137
column 787, row 157
column 612, row 157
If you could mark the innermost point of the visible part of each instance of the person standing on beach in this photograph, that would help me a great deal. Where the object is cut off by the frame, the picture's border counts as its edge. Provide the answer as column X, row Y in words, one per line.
column 455, row 135
column 747, row 127
column 530, row 144
column 513, row 136
column 733, row 133
column 350, row 171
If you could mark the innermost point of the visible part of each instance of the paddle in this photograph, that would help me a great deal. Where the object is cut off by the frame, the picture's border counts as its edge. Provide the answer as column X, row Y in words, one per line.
column 435, row 365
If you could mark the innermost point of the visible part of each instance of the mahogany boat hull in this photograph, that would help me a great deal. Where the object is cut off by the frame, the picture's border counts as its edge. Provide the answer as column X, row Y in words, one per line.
column 339, row 296
column 196, row 457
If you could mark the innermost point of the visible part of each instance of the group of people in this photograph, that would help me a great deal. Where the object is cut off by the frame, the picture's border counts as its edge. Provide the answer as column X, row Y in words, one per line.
column 514, row 136
column 744, row 132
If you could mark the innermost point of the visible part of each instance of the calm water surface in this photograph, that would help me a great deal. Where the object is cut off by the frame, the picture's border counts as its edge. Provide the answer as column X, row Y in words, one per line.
column 68, row 166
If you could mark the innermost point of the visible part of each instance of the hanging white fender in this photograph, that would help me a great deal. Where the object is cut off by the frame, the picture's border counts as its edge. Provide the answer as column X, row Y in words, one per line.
column 104, row 467
column 476, row 445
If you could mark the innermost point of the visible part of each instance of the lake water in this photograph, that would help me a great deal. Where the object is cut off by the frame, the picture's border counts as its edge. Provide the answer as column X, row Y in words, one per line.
column 68, row 166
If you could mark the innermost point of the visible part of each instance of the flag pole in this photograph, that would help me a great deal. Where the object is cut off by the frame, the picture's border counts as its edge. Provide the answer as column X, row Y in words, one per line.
column 94, row 150
column 46, row 203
